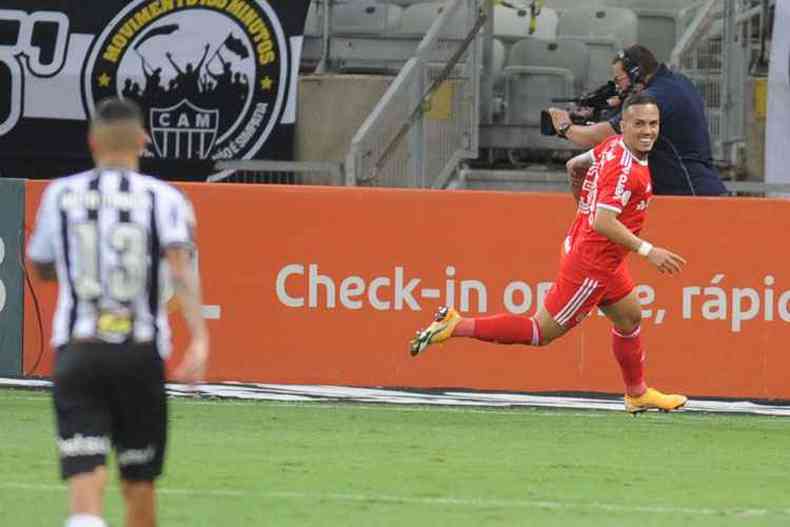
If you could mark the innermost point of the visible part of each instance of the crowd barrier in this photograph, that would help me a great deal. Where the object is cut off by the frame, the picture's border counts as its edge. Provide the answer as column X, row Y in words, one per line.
column 320, row 285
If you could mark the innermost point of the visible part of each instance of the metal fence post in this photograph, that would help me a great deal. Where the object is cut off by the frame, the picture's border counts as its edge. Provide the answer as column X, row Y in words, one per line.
column 416, row 164
column 326, row 38
column 727, row 73
column 487, row 82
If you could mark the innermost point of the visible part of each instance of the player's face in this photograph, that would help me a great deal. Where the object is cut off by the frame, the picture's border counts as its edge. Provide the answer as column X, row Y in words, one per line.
column 640, row 127
column 620, row 77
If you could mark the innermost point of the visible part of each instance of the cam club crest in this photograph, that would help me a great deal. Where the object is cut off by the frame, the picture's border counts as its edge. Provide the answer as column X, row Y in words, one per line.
column 183, row 130
column 211, row 76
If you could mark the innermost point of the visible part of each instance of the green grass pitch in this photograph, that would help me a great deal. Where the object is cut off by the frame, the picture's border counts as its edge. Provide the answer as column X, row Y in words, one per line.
column 234, row 463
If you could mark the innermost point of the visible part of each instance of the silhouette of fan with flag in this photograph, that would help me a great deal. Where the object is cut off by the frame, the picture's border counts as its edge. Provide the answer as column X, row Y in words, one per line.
column 236, row 46
column 154, row 32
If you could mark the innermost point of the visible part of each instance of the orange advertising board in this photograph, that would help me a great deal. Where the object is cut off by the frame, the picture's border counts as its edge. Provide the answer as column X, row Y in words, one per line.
column 314, row 285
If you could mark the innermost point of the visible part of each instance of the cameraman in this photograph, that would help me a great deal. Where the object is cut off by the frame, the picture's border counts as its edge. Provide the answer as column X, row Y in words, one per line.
column 681, row 161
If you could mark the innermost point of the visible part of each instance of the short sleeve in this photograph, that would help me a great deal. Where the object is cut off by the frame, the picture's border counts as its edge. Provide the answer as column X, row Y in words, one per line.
column 615, row 187
column 41, row 246
column 176, row 220
column 598, row 150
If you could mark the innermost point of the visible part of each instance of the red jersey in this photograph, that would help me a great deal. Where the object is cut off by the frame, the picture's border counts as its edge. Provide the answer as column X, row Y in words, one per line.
column 616, row 181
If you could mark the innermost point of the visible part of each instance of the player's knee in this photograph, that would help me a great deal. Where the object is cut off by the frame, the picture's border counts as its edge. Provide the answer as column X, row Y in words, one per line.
column 629, row 323
column 137, row 492
column 545, row 340
column 549, row 330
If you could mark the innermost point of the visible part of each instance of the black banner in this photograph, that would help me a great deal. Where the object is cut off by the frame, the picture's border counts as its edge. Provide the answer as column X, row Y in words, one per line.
column 216, row 78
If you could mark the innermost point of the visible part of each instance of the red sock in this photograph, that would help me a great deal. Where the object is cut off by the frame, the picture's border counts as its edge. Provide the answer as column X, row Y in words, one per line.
column 502, row 328
column 628, row 352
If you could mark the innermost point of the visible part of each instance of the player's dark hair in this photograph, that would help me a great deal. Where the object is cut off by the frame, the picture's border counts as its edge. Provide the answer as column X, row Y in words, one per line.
column 637, row 100
column 114, row 109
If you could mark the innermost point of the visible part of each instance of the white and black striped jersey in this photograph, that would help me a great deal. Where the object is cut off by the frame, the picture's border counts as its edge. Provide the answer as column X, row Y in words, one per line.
column 105, row 230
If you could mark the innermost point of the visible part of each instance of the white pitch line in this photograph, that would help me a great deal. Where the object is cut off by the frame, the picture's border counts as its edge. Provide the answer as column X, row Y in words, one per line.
column 323, row 405
column 436, row 399
column 542, row 411
column 482, row 503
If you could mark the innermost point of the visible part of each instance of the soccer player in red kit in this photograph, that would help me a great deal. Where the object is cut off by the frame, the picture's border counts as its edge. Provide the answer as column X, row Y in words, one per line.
column 611, row 184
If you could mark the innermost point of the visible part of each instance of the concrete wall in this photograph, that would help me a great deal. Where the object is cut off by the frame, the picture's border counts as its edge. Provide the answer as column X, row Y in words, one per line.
column 331, row 110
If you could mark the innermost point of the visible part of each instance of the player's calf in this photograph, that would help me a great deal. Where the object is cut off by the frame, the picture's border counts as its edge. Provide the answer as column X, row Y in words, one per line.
column 503, row 328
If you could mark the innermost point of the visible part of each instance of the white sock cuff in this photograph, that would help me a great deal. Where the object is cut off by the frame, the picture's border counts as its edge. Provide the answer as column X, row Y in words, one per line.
column 633, row 334
column 85, row 520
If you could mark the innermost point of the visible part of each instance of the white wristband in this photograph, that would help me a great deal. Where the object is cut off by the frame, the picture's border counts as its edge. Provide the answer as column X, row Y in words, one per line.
column 645, row 248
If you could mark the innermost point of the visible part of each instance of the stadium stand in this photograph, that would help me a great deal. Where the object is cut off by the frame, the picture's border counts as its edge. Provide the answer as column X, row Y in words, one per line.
column 604, row 30
column 359, row 42
column 658, row 23
column 569, row 52
column 511, row 24
column 562, row 5
column 375, row 37
column 417, row 19
column 312, row 44
column 404, row 3
column 366, row 18
column 538, row 70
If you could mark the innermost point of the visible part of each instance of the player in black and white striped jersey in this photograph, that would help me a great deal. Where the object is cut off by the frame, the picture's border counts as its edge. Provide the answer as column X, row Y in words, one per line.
column 103, row 235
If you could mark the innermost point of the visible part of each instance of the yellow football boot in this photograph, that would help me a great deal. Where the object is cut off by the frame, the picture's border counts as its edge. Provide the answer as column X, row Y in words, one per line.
column 440, row 330
column 652, row 399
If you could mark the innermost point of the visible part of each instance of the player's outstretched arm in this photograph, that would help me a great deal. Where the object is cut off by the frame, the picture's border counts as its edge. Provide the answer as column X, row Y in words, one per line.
column 186, row 285
column 607, row 224
column 577, row 168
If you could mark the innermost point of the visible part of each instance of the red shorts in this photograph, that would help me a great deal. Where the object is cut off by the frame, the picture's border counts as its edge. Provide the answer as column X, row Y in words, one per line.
column 575, row 293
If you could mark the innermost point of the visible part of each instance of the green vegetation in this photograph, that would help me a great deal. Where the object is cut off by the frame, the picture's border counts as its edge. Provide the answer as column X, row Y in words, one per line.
column 236, row 463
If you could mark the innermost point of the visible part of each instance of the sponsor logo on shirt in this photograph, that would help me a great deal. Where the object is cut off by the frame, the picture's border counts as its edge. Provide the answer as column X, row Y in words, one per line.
column 619, row 190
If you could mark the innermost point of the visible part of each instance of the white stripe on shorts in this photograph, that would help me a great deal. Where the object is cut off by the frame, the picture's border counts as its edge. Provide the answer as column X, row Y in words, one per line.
column 573, row 299
column 582, row 294
column 535, row 332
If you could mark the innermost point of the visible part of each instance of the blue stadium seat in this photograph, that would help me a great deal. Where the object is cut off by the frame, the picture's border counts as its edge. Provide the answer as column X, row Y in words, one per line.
column 417, row 19
column 366, row 17
column 658, row 23
column 562, row 5
column 604, row 30
column 537, row 70
column 361, row 32
column 511, row 25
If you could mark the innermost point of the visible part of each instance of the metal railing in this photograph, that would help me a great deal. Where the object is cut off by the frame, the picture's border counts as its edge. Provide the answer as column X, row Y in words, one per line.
column 279, row 172
column 715, row 52
column 427, row 121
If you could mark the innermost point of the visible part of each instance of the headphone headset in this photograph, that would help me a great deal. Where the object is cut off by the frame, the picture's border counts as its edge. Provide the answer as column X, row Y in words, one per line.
column 631, row 66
